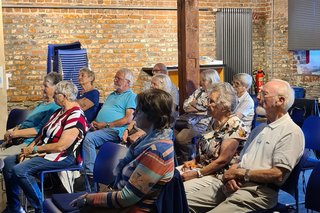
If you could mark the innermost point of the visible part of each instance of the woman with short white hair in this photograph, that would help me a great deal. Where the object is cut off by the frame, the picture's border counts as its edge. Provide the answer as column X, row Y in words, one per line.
column 245, row 107
column 58, row 146
column 195, row 121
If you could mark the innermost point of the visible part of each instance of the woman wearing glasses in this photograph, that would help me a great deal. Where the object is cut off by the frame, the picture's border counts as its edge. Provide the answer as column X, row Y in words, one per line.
column 148, row 164
column 58, row 146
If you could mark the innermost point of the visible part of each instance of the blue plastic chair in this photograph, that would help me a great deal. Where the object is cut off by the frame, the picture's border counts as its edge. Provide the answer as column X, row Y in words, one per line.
column 291, row 187
column 311, row 130
column 15, row 117
column 77, row 167
column 302, row 109
column 313, row 190
column 107, row 159
column 172, row 198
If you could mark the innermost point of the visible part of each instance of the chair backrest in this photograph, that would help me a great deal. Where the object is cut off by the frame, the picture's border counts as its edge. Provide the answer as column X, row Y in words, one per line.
column 107, row 159
column 172, row 198
column 52, row 60
column 71, row 61
column 256, row 104
column 303, row 108
column 311, row 130
column 16, row 117
column 291, row 184
column 313, row 190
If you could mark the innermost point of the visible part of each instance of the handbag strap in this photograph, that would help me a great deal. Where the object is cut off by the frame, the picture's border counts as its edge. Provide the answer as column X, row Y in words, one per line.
column 199, row 94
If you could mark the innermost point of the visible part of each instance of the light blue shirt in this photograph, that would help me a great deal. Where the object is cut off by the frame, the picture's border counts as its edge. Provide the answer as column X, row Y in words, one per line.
column 115, row 106
column 38, row 117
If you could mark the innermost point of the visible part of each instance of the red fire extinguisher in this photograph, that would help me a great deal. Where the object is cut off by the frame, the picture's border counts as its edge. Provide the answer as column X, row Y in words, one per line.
column 258, row 80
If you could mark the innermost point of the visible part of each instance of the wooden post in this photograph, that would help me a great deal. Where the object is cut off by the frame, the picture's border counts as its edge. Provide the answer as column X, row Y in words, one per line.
column 3, row 90
column 188, row 48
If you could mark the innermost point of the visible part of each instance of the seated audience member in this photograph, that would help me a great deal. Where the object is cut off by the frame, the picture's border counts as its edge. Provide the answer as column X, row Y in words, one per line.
column 196, row 120
column 113, row 118
column 245, row 108
column 148, row 165
column 269, row 155
column 58, row 146
column 158, row 81
column 161, row 68
column 220, row 146
column 22, row 135
column 88, row 97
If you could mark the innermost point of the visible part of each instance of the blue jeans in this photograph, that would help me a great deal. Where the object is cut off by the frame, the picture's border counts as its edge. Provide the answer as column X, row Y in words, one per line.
column 94, row 140
column 24, row 175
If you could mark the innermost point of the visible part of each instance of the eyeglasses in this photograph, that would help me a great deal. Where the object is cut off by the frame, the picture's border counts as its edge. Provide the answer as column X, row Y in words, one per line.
column 119, row 79
column 155, row 71
column 58, row 93
column 236, row 84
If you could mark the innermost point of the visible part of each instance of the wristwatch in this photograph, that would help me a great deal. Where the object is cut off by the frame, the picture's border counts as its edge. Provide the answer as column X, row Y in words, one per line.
column 200, row 175
column 246, row 175
column 107, row 125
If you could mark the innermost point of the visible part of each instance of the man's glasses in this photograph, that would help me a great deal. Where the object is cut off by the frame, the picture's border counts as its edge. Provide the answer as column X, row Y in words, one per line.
column 119, row 79
column 58, row 93
column 155, row 71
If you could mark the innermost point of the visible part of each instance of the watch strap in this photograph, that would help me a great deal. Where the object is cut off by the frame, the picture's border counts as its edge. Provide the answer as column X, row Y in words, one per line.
column 200, row 175
column 246, row 175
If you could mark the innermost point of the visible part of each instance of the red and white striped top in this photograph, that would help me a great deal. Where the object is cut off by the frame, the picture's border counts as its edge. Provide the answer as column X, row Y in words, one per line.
column 58, row 122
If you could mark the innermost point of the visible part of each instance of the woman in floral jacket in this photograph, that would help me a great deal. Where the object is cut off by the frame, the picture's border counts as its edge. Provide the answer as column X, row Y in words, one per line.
column 220, row 145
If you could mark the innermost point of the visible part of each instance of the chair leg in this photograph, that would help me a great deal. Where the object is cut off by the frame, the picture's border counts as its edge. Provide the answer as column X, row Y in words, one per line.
column 42, row 188
column 86, row 181
column 304, row 184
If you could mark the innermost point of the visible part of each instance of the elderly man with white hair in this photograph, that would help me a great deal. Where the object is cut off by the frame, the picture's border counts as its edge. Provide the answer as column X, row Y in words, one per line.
column 271, row 152
column 113, row 118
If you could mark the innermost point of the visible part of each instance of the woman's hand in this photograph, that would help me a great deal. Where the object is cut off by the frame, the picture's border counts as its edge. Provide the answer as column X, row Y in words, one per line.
column 8, row 136
column 189, row 165
column 26, row 151
column 80, row 201
column 189, row 175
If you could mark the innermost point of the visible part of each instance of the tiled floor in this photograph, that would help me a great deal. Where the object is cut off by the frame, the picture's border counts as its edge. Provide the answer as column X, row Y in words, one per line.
column 283, row 197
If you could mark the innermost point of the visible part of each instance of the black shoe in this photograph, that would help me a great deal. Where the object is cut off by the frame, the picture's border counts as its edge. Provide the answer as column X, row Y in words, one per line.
column 80, row 183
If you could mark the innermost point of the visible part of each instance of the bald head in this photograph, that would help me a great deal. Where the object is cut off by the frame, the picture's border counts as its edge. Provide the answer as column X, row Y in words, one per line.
column 281, row 88
column 160, row 68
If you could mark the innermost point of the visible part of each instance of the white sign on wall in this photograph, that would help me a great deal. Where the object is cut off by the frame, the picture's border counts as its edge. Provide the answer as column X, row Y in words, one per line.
column 1, row 77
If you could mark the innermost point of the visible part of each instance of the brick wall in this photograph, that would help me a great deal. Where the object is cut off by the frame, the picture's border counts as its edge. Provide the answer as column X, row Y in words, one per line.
column 280, row 62
column 133, row 38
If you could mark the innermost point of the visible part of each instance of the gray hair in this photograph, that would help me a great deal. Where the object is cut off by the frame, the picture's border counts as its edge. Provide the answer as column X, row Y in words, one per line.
column 53, row 78
column 244, row 78
column 228, row 99
column 128, row 75
column 89, row 72
column 68, row 89
column 164, row 82
column 211, row 75
column 162, row 67
column 284, row 89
